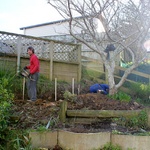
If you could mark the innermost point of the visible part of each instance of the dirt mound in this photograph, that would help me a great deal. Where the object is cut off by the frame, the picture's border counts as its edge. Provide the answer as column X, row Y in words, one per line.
column 102, row 102
column 33, row 114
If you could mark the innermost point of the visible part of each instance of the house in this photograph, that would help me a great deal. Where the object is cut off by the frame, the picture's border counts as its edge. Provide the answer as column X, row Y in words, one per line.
column 57, row 30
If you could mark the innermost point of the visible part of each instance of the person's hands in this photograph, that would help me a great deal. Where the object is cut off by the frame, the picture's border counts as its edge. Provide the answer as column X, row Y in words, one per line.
column 102, row 92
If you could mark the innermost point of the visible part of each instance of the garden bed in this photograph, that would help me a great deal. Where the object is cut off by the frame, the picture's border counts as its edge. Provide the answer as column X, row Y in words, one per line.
column 31, row 115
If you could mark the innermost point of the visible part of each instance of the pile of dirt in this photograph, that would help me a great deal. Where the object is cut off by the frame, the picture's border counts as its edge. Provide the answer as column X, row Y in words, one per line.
column 98, row 101
column 32, row 114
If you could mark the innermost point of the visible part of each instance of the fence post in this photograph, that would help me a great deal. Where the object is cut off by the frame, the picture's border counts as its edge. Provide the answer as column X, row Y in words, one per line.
column 148, row 116
column 79, row 61
column 73, row 86
column 18, row 53
column 63, row 109
column 51, row 60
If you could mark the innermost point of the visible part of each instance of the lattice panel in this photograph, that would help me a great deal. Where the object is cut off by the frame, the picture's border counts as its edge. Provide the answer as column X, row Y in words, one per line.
column 41, row 47
column 8, row 43
column 16, row 44
column 64, row 52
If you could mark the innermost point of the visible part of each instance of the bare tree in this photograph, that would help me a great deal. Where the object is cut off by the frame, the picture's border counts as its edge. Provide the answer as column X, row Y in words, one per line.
column 125, row 24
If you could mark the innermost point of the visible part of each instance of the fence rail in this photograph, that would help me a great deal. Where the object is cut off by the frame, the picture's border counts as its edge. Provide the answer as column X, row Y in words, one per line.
column 134, row 76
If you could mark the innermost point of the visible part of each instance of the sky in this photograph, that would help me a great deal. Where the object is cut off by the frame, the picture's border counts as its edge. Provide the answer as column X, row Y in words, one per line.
column 15, row 14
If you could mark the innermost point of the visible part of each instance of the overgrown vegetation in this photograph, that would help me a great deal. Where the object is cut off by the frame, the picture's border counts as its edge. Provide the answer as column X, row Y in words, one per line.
column 141, row 92
column 9, row 138
column 137, row 123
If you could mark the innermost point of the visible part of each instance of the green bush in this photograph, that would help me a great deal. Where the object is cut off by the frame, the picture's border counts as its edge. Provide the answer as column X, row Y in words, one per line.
column 140, row 91
column 121, row 96
column 6, row 98
column 139, row 121
column 10, row 139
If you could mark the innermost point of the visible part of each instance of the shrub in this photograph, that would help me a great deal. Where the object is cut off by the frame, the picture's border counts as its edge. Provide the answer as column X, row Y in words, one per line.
column 69, row 96
column 6, row 98
column 121, row 96
column 141, row 91
column 134, row 122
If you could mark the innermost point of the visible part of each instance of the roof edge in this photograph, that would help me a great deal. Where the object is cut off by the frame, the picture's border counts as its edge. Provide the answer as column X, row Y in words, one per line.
column 48, row 23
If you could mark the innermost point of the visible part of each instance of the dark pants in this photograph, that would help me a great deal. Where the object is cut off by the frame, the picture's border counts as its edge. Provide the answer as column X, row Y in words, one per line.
column 31, row 86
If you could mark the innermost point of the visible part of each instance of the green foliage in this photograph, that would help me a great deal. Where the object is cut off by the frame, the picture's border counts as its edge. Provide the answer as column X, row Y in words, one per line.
column 141, row 91
column 121, row 96
column 110, row 146
column 17, row 140
column 140, row 121
column 69, row 96
column 134, row 122
column 10, row 139
column 6, row 98
column 42, row 129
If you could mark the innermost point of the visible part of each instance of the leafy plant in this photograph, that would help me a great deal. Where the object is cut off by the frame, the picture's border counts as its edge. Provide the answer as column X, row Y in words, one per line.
column 110, row 146
column 69, row 96
column 6, row 98
column 140, row 91
column 121, row 96
column 134, row 122
column 18, row 140
column 42, row 129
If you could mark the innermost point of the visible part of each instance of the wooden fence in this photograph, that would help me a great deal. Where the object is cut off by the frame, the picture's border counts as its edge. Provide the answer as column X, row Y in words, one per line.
column 57, row 59
column 98, row 67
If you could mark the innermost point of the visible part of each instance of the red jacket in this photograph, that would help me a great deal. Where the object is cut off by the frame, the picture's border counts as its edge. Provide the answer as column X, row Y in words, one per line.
column 34, row 64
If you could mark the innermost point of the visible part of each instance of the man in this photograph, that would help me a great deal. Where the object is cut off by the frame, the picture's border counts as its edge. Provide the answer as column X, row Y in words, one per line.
column 34, row 74
column 102, row 88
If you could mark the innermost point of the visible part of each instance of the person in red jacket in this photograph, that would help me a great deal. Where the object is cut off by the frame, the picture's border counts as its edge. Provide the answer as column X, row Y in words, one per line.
column 34, row 68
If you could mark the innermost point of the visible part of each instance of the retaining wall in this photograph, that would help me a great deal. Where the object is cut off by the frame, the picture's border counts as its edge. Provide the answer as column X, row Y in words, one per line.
column 87, row 141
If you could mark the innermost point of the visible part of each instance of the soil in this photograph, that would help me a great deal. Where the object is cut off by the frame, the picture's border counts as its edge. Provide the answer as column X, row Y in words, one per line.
column 31, row 115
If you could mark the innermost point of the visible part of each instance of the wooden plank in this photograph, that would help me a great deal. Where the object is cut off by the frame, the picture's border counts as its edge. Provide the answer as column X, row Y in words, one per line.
column 134, row 72
column 102, row 113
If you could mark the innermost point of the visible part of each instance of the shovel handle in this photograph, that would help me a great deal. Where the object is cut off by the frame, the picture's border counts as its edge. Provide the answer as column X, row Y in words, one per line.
column 23, row 87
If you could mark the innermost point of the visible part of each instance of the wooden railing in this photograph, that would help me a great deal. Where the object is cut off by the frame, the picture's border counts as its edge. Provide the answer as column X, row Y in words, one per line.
column 91, row 65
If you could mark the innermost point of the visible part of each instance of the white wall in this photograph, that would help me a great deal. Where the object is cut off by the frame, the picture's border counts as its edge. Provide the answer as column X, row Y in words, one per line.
column 49, row 30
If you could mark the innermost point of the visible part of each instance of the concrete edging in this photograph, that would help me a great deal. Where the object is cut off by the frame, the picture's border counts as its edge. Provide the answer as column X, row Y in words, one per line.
column 87, row 141
column 46, row 139
column 82, row 141
column 131, row 142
